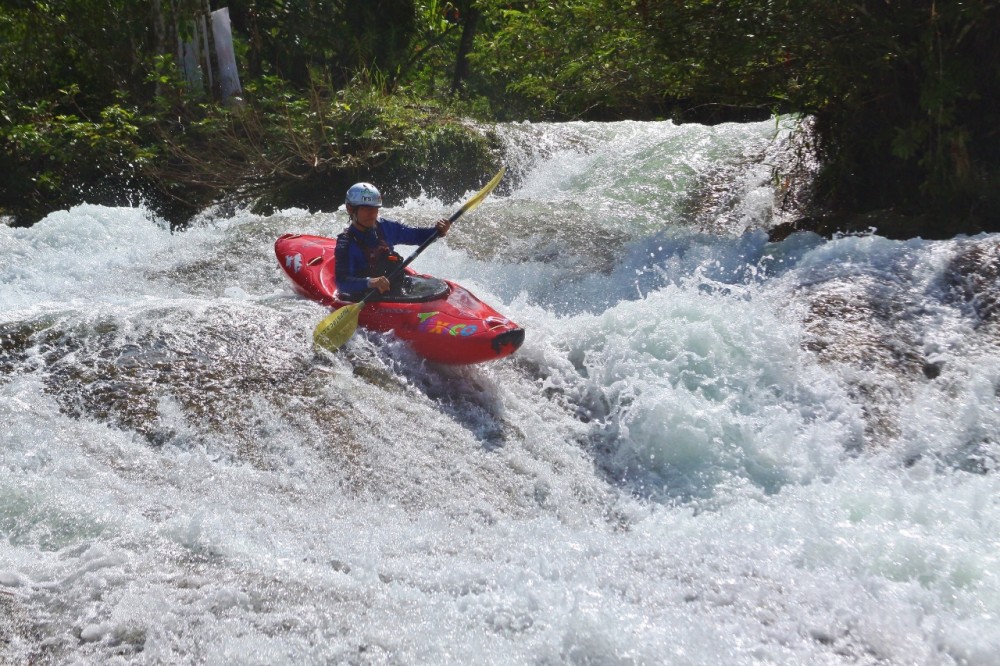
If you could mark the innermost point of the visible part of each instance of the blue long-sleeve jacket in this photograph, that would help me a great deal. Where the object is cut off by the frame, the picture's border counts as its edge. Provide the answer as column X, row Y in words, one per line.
column 352, row 267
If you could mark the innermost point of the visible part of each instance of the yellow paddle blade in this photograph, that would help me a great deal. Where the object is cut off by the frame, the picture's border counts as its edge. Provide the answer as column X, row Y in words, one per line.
column 478, row 197
column 337, row 327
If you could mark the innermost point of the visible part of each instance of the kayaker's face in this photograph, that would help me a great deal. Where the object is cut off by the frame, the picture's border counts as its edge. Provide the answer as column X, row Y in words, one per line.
column 365, row 216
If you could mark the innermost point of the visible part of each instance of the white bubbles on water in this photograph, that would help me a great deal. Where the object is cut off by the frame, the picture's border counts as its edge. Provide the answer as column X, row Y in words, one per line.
column 672, row 469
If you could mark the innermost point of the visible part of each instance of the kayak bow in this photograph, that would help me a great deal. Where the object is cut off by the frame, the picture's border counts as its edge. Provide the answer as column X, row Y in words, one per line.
column 441, row 320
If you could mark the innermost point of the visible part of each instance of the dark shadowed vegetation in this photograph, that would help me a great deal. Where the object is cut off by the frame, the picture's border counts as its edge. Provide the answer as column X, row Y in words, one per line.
column 98, row 101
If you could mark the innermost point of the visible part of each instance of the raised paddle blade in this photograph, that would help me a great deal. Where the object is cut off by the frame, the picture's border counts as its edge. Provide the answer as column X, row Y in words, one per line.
column 337, row 327
column 478, row 197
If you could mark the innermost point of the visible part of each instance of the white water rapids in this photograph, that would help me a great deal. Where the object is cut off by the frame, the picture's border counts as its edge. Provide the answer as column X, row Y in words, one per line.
column 711, row 449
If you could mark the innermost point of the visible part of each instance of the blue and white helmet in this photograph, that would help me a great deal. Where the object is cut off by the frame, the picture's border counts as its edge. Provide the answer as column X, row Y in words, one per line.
column 364, row 194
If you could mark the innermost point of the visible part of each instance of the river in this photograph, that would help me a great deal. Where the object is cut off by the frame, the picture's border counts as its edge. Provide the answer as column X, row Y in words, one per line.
column 711, row 448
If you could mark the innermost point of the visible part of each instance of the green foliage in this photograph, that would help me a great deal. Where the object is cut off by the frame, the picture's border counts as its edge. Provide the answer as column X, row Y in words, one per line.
column 280, row 148
column 589, row 58
column 294, row 38
column 56, row 158
column 903, row 93
column 46, row 46
column 428, row 69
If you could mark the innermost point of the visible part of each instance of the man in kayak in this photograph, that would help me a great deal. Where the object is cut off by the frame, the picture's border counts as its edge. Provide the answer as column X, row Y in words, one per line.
column 365, row 254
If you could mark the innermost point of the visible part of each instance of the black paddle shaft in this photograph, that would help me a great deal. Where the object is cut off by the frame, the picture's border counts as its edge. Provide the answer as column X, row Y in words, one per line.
column 406, row 262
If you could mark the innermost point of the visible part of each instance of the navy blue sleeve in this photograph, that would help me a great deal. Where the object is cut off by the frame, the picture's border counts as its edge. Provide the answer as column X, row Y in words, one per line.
column 397, row 233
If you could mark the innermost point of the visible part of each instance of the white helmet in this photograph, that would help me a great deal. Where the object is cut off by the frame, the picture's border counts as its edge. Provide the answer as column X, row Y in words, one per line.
column 364, row 194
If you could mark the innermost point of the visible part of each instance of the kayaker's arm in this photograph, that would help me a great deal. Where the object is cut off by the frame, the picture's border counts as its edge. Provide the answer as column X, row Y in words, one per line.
column 397, row 233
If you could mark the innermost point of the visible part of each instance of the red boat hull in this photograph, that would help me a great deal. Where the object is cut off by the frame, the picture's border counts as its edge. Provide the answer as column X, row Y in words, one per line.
column 456, row 328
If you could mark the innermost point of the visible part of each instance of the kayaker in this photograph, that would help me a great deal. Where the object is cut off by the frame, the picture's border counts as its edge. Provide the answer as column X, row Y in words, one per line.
column 365, row 254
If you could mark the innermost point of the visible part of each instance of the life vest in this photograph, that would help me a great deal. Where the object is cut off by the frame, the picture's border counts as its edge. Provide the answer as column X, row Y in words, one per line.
column 382, row 259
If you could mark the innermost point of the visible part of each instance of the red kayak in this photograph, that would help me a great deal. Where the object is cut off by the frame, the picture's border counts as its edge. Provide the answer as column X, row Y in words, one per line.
column 442, row 321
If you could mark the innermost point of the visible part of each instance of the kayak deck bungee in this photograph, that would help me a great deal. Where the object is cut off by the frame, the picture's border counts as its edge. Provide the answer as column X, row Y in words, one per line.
column 440, row 320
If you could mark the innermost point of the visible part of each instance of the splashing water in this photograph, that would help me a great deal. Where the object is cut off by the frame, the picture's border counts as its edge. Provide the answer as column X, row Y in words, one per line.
column 710, row 449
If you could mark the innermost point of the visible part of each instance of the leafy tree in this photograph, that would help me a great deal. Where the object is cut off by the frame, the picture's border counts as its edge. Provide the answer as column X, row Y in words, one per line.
column 67, row 70
column 294, row 39
column 48, row 45
column 569, row 58
column 92, row 106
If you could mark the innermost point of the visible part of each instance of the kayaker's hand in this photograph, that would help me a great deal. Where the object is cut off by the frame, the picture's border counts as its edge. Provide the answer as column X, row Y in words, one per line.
column 381, row 283
column 443, row 225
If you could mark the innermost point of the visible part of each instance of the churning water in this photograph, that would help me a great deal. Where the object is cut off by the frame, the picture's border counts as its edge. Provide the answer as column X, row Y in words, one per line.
column 711, row 449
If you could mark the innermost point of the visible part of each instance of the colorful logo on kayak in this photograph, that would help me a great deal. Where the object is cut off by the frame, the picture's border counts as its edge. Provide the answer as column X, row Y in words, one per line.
column 430, row 322
column 293, row 261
